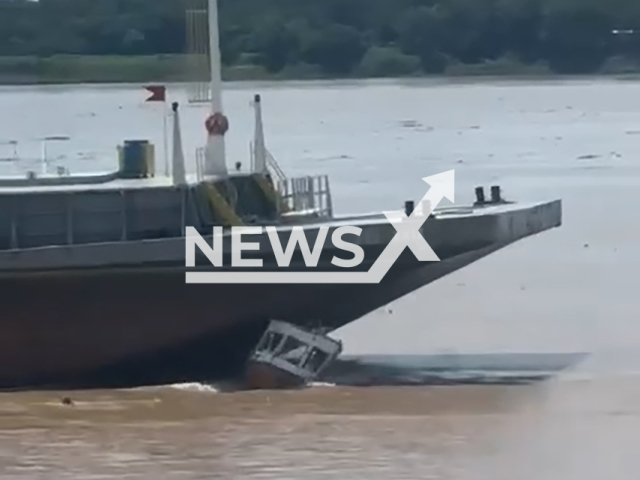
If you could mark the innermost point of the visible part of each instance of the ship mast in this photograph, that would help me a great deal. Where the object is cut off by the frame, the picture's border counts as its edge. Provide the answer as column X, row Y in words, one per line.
column 216, row 124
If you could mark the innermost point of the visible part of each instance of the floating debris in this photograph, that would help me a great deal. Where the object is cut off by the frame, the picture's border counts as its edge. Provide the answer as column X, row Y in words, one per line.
column 86, row 155
column 589, row 157
column 333, row 157
column 410, row 123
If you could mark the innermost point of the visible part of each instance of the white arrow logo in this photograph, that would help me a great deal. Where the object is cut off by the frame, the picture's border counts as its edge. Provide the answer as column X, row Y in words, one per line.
column 407, row 236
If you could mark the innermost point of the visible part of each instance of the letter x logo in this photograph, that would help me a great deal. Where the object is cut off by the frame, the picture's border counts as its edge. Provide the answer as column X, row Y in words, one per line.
column 408, row 232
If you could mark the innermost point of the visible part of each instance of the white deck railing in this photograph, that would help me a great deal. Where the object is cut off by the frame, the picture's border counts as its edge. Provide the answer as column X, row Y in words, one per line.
column 200, row 156
column 197, row 42
column 307, row 194
column 274, row 169
column 302, row 194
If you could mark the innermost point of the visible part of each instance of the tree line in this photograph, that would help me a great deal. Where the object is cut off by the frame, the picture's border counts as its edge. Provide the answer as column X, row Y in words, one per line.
column 339, row 37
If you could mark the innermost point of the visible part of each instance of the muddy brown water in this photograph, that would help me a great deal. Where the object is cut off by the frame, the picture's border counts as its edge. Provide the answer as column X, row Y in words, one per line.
column 572, row 289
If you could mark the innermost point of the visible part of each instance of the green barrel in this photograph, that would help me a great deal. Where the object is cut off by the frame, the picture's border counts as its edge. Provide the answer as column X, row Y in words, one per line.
column 134, row 159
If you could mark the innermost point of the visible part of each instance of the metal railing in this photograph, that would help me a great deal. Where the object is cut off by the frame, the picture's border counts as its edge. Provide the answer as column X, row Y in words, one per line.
column 302, row 194
column 13, row 146
column 307, row 194
column 272, row 164
column 197, row 42
column 200, row 158
column 43, row 159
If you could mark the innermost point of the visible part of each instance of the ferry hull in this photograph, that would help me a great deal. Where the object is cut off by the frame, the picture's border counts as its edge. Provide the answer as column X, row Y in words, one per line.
column 121, row 314
column 117, row 329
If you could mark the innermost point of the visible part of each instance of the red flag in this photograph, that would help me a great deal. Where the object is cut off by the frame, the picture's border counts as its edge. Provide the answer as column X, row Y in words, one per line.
column 158, row 93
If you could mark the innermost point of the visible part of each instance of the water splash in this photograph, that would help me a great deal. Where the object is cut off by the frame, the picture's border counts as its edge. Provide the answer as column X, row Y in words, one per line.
column 195, row 387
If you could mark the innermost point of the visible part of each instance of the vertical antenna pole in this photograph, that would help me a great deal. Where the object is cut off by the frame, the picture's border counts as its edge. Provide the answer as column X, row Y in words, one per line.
column 214, row 58
column 165, row 133
column 259, row 149
column 217, row 124
column 178, row 168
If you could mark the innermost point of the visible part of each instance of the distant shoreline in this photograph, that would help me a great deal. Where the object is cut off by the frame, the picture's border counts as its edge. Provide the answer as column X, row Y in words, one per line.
column 78, row 69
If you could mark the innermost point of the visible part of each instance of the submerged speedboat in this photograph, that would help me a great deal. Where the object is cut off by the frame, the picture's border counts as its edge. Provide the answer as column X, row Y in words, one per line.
column 93, row 272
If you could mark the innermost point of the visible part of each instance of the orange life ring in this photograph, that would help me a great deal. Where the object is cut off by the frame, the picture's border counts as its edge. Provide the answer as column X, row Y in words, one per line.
column 217, row 124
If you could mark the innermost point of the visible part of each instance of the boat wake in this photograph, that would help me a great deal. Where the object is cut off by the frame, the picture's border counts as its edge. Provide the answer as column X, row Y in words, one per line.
column 195, row 387
column 449, row 369
column 322, row 385
column 425, row 370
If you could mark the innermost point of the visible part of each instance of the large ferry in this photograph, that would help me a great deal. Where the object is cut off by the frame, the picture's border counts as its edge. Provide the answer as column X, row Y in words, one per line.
column 92, row 267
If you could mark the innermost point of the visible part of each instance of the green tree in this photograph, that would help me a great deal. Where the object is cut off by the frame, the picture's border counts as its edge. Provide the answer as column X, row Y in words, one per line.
column 337, row 49
column 577, row 40
column 573, row 36
column 420, row 33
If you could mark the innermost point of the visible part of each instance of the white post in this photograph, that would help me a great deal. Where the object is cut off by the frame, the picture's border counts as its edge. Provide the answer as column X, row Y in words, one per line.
column 260, row 153
column 44, row 156
column 178, row 170
column 166, row 134
column 329, row 200
column 215, row 163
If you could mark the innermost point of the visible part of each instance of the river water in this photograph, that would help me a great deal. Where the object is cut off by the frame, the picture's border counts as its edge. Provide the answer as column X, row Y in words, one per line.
column 569, row 290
